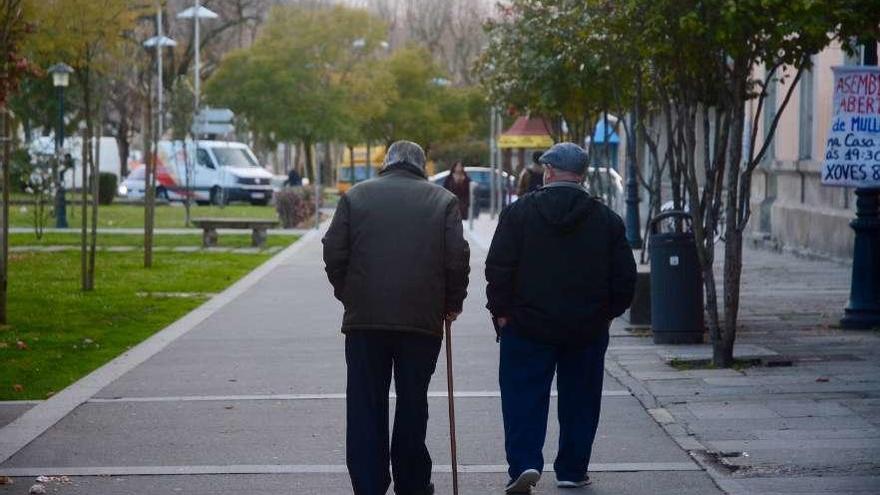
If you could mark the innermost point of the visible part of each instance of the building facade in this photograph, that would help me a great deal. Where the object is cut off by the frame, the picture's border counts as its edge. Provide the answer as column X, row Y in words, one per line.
column 791, row 210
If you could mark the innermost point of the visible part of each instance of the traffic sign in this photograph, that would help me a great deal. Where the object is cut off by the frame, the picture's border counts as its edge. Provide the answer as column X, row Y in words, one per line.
column 220, row 115
column 212, row 128
column 213, row 121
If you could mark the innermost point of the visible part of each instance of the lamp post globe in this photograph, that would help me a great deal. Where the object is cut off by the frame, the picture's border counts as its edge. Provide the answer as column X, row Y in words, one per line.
column 60, row 79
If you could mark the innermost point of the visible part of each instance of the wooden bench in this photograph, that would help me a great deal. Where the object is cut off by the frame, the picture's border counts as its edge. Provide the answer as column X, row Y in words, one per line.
column 258, row 227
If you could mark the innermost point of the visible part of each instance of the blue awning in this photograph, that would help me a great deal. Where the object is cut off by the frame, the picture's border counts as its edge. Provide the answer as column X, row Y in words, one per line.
column 599, row 135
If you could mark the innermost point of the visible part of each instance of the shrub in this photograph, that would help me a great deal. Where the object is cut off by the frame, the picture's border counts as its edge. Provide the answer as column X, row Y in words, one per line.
column 107, row 184
column 294, row 206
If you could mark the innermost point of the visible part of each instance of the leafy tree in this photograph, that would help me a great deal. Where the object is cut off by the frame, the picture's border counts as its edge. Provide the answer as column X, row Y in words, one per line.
column 704, row 59
column 14, row 29
column 291, row 85
column 88, row 35
column 422, row 108
column 687, row 68
column 534, row 65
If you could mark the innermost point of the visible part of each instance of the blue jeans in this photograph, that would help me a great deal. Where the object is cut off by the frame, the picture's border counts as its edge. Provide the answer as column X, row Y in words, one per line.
column 371, row 357
column 525, row 374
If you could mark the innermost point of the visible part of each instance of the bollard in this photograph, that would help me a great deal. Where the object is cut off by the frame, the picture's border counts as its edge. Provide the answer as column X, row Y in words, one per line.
column 472, row 208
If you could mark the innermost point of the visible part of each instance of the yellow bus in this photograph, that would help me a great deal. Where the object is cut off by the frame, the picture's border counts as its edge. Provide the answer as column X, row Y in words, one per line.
column 359, row 168
column 345, row 170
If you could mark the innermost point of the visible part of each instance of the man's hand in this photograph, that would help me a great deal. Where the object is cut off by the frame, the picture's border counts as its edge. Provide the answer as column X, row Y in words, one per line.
column 502, row 321
column 452, row 316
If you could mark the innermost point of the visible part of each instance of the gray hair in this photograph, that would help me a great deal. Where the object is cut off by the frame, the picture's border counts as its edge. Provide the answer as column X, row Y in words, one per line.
column 405, row 151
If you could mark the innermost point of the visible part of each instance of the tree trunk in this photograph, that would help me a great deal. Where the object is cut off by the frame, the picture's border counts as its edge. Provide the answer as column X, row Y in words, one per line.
column 96, row 177
column 369, row 161
column 4, row 230
column 353, row 168
column 722, row 349
column 84, row 208
column 123, row 145
column 309, row 160
column 148, row 180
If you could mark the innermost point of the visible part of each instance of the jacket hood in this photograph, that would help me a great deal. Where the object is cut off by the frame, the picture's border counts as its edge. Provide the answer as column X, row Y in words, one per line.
column 403, row 166
column 564, row 208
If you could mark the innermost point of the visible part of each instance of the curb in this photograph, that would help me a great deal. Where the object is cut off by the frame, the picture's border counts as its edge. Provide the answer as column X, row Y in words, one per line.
column 677, row 432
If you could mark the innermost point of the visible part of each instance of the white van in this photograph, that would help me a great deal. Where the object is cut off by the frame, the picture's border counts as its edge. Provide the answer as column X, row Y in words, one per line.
column 225, row 171
column 108, row 162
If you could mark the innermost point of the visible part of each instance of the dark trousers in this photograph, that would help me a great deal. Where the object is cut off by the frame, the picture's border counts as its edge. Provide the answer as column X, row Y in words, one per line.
column 371, row 357
column 526, row 373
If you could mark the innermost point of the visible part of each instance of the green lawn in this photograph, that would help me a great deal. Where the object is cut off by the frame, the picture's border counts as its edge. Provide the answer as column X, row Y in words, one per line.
column 67, row 333
column 132, row 216
column 137, row 240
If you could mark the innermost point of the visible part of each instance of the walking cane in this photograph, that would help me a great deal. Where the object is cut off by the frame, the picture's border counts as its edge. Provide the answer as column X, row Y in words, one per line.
column 450, row 388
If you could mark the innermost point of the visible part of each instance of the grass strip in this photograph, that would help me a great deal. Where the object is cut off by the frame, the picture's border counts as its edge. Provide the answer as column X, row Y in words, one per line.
column 132, row 215
column 137, row 240
column 57, row 333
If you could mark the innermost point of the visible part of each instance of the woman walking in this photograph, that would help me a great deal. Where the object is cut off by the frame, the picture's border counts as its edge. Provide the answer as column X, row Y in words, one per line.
column 458, row 183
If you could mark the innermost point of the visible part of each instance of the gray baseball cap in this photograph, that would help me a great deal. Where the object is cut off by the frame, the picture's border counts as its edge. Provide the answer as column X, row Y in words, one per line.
column 566, row 156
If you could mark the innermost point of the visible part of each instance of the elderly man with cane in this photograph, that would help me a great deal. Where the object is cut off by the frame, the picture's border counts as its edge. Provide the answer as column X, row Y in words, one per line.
column 558, row 271
column 397, row 259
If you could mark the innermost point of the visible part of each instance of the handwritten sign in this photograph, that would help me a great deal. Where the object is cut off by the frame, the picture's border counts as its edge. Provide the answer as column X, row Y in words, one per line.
column 852, row 151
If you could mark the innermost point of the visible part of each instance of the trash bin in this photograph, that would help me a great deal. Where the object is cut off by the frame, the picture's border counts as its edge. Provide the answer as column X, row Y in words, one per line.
column 676, row 282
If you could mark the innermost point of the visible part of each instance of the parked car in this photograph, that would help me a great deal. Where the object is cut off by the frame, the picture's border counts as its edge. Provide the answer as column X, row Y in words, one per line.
column 225, row 171
column 133, row 187
column 607, row 185
column 481, row 176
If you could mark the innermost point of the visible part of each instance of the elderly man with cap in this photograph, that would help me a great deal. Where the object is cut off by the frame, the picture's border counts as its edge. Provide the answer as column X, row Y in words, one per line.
column 558, row 271
column 399, row 264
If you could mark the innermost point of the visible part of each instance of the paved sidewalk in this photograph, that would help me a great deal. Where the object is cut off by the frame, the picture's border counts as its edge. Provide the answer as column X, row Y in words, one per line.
column 250, row 400
column 810, row 426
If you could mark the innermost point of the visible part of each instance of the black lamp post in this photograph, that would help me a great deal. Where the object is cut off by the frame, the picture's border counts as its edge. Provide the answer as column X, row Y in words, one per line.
column 60, row 79
column 633, row 234
column 863, row 310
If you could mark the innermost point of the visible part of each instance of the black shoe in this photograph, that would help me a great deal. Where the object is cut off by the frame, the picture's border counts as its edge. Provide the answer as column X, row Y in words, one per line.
column 428, row 490
column 524, row 482
column 574, row 484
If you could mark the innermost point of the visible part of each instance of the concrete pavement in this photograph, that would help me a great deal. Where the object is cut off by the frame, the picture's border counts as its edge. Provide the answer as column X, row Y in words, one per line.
column 250, row 399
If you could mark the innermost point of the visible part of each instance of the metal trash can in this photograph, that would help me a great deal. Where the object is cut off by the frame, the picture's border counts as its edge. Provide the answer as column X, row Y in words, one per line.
column 676, row 282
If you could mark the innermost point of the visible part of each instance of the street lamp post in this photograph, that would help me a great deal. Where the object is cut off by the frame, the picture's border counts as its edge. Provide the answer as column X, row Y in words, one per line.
column 863, row 310
column 195, row 13
column 159, row 42
column 633, row 235
column 60, row 79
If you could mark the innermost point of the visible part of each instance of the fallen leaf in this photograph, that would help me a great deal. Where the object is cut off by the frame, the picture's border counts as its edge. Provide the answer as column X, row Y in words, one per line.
column 3, row 345
column 18, row 387
column 21, row 345
column 5, row 480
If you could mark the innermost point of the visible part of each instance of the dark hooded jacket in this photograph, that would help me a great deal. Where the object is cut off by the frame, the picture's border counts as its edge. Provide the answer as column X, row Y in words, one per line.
column 395, row 254
column 559, row 267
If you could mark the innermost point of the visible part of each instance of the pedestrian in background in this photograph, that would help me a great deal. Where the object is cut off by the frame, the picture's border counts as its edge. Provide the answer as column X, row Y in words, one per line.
column 397, row 259
column 294, row 179
column 559, row 270
column 459, row 183
column 532, row 177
